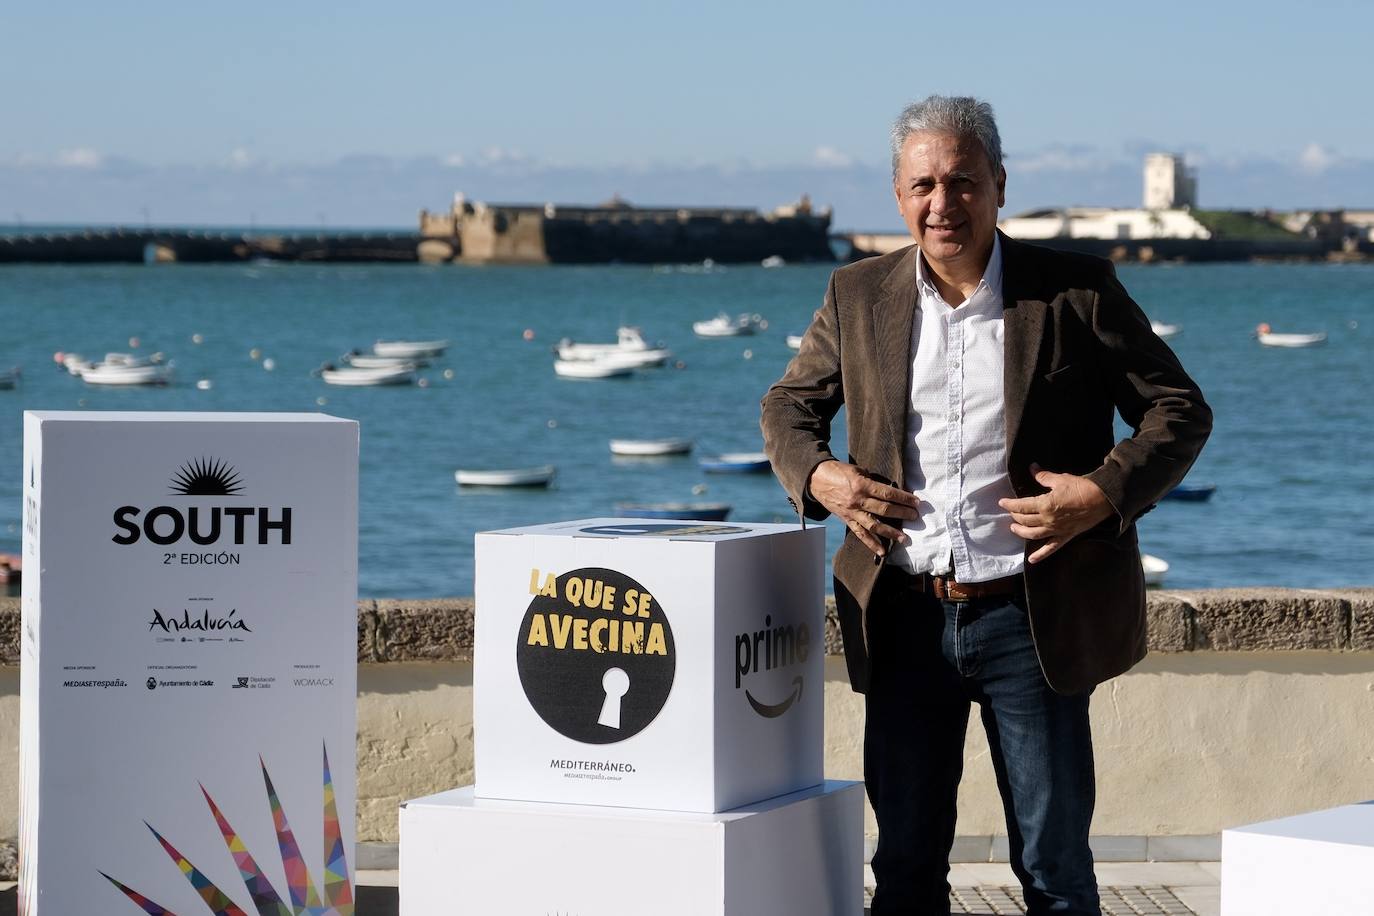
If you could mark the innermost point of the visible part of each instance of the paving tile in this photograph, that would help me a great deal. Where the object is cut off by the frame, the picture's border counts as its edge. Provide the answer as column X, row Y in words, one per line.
column 1183, row 848
column 1204, row 900
column 1161, row 874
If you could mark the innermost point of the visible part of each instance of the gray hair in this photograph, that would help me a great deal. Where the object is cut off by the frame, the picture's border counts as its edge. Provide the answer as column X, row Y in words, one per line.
column 962, row 116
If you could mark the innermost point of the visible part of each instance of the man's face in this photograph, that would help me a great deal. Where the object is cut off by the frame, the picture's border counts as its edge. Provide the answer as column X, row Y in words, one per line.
column 948, row 196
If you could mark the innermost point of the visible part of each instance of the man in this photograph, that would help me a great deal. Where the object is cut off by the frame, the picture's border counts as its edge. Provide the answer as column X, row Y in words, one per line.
column 990, row 554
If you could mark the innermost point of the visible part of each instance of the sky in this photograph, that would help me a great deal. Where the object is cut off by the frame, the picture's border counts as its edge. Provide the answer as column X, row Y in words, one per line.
column 351, row 114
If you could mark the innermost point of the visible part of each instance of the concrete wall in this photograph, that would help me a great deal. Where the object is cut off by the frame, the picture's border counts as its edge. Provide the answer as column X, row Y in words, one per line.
column 1253, row 704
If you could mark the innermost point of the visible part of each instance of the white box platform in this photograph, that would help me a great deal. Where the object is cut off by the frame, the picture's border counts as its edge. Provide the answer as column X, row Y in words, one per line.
column 798, row 855
column 675, row 666
column 1321, row 862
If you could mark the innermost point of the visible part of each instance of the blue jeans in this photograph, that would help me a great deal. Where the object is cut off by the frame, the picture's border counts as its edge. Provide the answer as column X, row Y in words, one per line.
column 930, row 660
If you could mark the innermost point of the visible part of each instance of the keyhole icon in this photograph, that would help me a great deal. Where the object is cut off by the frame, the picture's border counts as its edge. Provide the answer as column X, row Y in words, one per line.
column 615, row 682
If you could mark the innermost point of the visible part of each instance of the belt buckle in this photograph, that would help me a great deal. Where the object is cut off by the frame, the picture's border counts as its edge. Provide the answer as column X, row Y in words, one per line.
column 946, row 589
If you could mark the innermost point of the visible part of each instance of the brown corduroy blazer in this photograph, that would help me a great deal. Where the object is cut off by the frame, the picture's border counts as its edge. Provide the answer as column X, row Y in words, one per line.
column 1077, row 349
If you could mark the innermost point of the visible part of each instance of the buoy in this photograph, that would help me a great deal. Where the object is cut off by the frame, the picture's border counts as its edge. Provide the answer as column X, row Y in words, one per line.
column 423, row 383
column 552, row 424
column 58, row 357
column 679, row 365
column 448, row 373
column 81, row 402
column 134, row 343
column 205, row 384
column 748, row 354
column 699, row 489
column 321, row 401
column 254, row 353
column 269, row 364
column 197, row 338
column 529, row 334
column 1263, row 328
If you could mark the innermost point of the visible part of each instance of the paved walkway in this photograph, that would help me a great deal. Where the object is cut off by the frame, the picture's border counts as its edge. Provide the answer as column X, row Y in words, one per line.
column 988, row 889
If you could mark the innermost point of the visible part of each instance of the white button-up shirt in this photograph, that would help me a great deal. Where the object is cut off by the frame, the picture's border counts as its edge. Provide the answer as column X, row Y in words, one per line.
column 955, row 454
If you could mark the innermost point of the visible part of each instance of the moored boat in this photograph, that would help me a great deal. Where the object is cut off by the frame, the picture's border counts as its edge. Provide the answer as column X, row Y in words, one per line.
column 692, row 512
column 794, row 341
column 108, row 373
column 1155, row 570
column 354, row 377
column 539, row 476
column 1268, row 338
column 630, row 349
column 1163, row 330
column 1192, row 493
column 724, row 326
column 372, row 361
column 650, row 447
column 9, row 379
column 736, row 463
column 590, row 369
column 410, row 349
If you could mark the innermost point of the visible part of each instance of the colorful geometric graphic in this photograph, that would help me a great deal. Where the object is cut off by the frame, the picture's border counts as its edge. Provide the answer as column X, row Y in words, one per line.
column 305, row 899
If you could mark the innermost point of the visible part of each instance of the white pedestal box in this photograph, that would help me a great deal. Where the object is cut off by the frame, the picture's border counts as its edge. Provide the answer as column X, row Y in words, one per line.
column 797, row 855
column 675, row 666
column 1318, row 863
column 189, row 659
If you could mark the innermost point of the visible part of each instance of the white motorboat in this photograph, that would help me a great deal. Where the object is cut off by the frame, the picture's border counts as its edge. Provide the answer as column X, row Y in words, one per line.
column 724, row 326
column 1155, row 568
column 410, row 349
column 773, row 260
column 505, row 477
column 355, row 377
column 643, row 448
column 630, row 348
column 1164, row 330
column 373, row 361
column 590, row 368
column 794, row 341
column 1268, row 338
column 124, row 368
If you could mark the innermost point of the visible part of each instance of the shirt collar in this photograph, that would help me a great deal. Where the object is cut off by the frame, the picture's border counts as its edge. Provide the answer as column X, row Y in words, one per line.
column 991, row 280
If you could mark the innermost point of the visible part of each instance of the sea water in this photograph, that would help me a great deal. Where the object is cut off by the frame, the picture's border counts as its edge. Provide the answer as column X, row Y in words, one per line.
column 1289, row 454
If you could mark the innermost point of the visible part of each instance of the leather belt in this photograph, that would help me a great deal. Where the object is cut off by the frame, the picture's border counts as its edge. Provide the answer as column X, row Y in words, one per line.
column 946, row 589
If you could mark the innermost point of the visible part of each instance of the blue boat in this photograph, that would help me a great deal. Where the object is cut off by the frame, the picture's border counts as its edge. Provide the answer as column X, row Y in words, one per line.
column 737, row 463
column 697, row 512
column 1192, row 493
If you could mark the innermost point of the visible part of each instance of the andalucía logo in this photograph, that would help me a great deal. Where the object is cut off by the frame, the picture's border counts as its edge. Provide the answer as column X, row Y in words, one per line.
column 204, row 623
column 595, row 654
column 769, row 649
column 202, row 477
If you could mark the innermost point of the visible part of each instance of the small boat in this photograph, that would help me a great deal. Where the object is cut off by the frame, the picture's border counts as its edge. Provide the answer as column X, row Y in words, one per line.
column 134, row 372
column 630, row 349
column 359, row 360
column 1192, row 493
column 505, row 477
column 354, row 377
column 650, row 447
column 724, row 326
column 1268, row 338
column 590, row 368
column 691, row 512
column 410, row 349
column 773, row 260
column 1164, row 331
column 1154, row 568
column 794, row 341
column 736, row 463
column 9, row 380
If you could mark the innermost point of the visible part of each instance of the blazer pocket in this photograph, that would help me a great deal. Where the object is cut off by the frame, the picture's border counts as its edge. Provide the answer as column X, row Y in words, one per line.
column 1070, row 373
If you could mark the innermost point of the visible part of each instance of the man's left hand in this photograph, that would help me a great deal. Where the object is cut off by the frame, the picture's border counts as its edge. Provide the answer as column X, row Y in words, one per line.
column 1073, row 505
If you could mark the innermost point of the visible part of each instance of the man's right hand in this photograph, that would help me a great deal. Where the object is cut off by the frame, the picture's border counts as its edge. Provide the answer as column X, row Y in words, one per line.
column 862, row 503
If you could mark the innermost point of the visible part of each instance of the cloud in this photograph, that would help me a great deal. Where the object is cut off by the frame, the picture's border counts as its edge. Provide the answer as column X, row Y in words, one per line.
column 1316, row 159
column 239, row 158
column 80, row 158
column 827, row 157
column 453, row 161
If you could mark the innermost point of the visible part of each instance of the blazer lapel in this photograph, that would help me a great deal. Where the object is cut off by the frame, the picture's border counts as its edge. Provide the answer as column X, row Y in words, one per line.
column 892, row 328
column 1023, row 327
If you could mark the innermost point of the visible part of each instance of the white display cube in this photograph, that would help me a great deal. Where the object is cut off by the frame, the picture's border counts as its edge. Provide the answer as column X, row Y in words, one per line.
column 1322, row 862
column 189, row 662
column 674, row 666
column 797, row 855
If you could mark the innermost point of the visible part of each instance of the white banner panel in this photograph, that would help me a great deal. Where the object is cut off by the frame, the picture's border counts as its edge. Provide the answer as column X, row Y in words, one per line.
column 189, row 663
column 668, row 665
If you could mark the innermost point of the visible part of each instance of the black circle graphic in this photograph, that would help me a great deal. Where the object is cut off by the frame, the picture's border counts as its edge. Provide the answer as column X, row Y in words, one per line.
column 569, row 642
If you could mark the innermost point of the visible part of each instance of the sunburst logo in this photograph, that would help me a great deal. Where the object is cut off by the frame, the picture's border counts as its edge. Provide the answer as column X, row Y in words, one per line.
column 305, row 900
column 206, row 477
